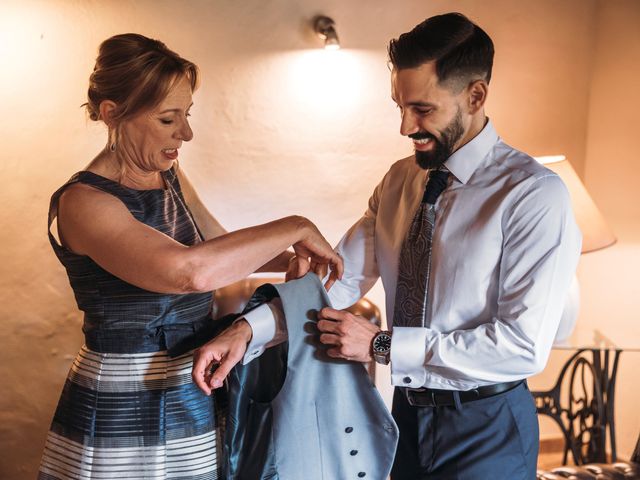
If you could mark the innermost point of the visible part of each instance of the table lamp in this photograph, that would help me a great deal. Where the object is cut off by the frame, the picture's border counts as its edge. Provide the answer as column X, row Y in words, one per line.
column 596, row 234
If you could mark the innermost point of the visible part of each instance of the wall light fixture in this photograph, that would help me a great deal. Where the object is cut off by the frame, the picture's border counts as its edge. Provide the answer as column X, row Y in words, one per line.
column 325, row 29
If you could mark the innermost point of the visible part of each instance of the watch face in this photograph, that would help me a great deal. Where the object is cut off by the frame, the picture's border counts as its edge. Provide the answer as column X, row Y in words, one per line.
column 382, row 343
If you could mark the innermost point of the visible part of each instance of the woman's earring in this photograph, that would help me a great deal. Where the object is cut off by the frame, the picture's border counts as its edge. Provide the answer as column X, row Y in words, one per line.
column 112, row 142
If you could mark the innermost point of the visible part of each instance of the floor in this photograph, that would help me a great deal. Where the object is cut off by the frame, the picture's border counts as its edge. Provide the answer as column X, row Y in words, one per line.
column 550, row 460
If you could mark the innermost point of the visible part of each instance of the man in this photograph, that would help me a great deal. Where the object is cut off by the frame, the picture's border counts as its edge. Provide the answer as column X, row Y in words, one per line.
column 475, row 269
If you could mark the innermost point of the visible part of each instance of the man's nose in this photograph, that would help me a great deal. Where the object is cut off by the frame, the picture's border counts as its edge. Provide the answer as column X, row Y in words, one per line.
column 408, row 124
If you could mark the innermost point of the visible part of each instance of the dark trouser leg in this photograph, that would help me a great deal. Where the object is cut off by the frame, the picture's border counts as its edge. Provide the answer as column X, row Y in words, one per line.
column 492, row 438
column 414, row 453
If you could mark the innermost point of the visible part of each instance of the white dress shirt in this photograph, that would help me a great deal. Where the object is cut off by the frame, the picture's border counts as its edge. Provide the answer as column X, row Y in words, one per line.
column 505, row 249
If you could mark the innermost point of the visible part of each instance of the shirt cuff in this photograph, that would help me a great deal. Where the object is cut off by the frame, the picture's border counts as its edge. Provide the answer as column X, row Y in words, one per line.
column 408, row 353
column 268, row 327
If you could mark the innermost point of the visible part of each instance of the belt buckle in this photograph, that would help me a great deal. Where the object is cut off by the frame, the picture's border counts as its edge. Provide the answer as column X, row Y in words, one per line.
column 412, row 401
column 409, row 397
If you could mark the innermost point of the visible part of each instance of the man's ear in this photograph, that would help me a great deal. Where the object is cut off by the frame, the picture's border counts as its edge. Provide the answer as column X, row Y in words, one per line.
column 107, row 109
column 477, row 95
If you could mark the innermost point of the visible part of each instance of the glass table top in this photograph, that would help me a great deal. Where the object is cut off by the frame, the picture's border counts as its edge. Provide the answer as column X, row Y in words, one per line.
column 600, row 339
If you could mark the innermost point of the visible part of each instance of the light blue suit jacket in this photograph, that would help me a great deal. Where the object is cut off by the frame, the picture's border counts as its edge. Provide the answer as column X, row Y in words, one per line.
column 295, row 413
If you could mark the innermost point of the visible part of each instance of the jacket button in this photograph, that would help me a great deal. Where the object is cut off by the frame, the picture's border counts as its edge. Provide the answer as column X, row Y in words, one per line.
column 406, row 379
column 348, row 429
column 353, row 452
column 361, row 474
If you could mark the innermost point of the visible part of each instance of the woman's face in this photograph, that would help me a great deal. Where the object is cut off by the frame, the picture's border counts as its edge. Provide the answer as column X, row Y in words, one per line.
column 150, row 141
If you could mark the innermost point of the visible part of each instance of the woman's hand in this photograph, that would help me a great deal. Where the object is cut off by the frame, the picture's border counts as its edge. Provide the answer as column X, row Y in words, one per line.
column 314, row 252
column 213, row 361
column 300, row 266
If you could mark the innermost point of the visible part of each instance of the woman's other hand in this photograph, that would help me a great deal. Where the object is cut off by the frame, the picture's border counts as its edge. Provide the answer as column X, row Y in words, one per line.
column 213, row 361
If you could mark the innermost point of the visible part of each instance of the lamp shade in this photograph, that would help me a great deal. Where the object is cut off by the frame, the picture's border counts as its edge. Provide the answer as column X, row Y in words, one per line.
column 596, row 234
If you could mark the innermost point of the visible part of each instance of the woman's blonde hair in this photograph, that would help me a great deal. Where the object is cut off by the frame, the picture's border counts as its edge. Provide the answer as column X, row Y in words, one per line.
column 136, row 73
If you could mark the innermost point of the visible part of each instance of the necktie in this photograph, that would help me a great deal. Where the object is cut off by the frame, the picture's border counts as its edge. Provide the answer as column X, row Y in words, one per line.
column 414, row 266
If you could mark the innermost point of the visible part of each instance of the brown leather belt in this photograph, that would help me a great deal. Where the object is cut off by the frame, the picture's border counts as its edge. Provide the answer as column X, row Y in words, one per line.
column 431, row 397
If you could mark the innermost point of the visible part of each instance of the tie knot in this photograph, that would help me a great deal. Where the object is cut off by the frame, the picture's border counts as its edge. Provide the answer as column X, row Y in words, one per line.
column 436, row 184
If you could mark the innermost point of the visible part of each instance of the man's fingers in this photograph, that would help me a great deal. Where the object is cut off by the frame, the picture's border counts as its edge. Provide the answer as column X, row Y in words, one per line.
column 336, row 353
column 330, row 339
column 332, row 314
column 329, row 326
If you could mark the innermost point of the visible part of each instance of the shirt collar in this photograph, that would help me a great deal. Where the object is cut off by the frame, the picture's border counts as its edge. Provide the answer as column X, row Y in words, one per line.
column 467, row 158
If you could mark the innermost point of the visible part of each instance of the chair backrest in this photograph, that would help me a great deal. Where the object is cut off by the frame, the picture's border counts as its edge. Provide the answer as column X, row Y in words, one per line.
column 233, row 298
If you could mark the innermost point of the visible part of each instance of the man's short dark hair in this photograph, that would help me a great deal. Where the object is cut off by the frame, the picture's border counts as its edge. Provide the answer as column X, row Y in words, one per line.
column 462, row 51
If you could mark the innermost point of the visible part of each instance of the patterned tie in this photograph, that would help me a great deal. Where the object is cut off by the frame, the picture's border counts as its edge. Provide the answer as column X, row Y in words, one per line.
column 414, row 266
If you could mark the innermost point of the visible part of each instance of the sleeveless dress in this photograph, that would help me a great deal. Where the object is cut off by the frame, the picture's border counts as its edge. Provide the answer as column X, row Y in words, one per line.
column 129, row 409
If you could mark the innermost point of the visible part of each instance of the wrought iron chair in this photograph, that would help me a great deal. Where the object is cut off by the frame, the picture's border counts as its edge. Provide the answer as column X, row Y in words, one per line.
column 598, row 471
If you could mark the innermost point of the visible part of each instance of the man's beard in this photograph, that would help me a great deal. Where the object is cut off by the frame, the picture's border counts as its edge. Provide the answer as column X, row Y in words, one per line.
column 443, row 148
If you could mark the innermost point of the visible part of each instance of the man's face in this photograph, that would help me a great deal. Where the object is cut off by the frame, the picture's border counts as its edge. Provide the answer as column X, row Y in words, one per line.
column 433, row 116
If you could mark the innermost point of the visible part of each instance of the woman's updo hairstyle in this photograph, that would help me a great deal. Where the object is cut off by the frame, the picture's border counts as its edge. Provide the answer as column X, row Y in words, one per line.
column 136, row 73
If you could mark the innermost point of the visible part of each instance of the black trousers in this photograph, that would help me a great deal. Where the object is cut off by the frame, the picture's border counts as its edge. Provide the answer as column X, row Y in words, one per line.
column 492, row 438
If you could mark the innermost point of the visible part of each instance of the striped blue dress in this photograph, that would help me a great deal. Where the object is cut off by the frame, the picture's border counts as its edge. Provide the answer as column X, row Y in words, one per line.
column 129, row 409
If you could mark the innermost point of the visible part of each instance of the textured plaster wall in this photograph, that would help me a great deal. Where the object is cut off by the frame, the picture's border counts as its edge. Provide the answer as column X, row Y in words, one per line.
column 610, row 287
column 280, row 127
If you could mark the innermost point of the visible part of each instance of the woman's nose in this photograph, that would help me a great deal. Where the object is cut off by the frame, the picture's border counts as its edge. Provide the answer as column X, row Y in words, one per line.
column 185, row 133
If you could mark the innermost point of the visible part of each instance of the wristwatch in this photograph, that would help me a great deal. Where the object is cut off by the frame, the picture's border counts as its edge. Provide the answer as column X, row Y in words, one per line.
column 381, row 347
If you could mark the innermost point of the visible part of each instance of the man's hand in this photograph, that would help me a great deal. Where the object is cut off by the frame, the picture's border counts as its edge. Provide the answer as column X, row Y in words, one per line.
column 349, row 335
column 220, row 354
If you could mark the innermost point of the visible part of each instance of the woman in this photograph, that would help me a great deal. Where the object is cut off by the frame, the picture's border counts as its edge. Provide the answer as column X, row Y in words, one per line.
column 143, row 255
